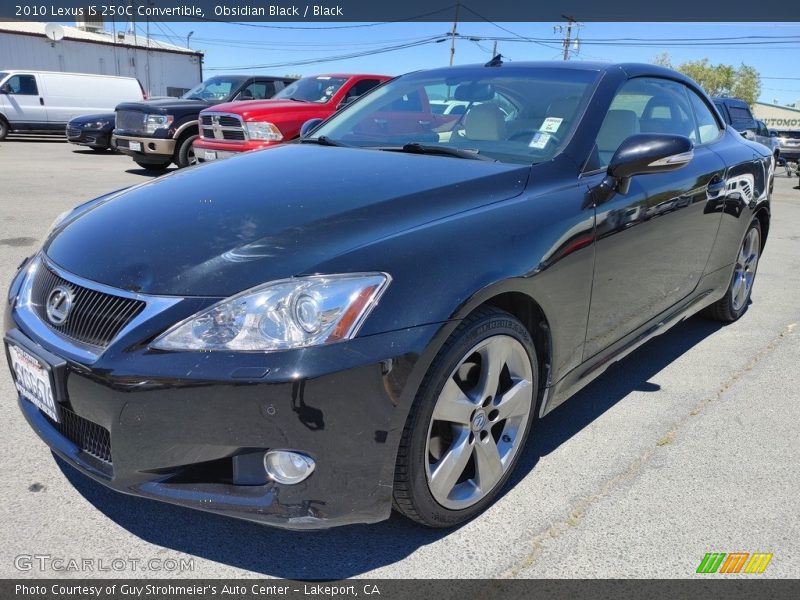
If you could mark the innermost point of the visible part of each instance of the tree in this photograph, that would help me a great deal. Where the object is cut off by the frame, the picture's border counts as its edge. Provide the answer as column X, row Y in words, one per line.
column 719, row 80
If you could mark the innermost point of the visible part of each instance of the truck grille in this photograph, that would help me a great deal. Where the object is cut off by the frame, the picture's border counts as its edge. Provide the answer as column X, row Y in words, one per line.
column 95, row 318
column 130, row 120
column 93, row 439
column 221, row 127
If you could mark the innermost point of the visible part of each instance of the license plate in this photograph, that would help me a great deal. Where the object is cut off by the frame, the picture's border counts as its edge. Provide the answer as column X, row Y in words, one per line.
column 33, row 380
column 210, row 155
column 135, row 146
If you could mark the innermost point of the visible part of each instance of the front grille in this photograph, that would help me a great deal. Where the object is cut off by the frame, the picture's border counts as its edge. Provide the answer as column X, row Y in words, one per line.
column 95, row 317
column 73, row 132
column 93, row 439
column 221, row 127
column 130, row 120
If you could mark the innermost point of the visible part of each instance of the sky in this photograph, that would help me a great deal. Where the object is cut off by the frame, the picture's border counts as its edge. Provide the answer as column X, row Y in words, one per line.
column 230, row 45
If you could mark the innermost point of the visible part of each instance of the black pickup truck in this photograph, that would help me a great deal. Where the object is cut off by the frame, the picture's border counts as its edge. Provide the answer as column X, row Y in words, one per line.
column 157, row 133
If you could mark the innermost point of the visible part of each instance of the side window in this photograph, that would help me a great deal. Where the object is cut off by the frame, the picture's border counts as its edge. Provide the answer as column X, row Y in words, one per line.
column 741, row 117
column 258, row 90
column 361, row 88
column 707, row 126
column 23, row 85
column 644, row 105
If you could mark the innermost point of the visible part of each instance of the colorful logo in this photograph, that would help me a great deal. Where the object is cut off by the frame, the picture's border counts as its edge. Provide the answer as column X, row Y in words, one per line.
column 736, row 562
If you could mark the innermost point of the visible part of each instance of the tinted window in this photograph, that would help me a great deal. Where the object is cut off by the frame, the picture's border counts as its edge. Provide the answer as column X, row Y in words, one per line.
column 707, row 126
column 644, row 105
column 23, row 85
column 214, row 90
column 741, row 117
column 362, row 87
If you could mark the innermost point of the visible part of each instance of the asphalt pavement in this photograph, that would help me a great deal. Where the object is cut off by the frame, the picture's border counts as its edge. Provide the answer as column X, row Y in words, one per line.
column 688, row 446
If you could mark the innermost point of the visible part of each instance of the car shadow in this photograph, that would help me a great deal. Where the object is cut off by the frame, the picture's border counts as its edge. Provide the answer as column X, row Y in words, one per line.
column 146, row 173
column 352, row 550
column 90, row 152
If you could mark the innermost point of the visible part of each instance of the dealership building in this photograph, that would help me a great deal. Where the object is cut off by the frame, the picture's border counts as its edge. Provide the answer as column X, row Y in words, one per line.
column 163, row 69
column 776, row 116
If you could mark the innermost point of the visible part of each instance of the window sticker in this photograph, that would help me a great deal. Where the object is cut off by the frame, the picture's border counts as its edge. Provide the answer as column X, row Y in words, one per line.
column 551, row 124
column 539, row 140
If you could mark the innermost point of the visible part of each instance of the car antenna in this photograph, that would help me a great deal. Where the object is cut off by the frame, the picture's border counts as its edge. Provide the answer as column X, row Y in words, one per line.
column 497, row 61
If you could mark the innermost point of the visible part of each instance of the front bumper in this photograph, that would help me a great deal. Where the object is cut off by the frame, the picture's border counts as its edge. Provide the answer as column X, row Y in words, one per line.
column 89, row 137
column 195, row 438
column 206, row 149
column 151, row 150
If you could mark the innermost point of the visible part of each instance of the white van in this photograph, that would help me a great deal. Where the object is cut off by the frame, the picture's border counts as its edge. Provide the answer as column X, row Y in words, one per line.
column 46, row 101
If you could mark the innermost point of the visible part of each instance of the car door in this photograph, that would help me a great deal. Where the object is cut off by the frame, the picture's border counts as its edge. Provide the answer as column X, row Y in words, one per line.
column 24, row 102
column 653, row 242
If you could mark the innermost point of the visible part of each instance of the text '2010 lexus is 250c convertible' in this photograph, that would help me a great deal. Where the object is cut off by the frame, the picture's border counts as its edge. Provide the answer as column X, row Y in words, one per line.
column 380, row 314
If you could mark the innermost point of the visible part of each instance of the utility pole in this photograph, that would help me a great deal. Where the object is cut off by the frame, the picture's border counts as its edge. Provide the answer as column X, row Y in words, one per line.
column 189, row 37
column 453, row 35
column 567, row 31
column 494, row 48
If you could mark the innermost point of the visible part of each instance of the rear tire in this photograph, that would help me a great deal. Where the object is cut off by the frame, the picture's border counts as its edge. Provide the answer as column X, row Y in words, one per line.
column 185, row 156
column 154, row 166
column 469, row 422
column 3, row 128
column 737, row 297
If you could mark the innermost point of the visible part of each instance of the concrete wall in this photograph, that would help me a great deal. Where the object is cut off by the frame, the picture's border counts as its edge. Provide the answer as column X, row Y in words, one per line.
column 167, row 69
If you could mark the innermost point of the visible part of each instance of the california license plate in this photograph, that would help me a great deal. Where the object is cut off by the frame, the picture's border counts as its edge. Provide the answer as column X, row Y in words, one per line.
column 33, row 380
column 210, row 155
column 135, row 146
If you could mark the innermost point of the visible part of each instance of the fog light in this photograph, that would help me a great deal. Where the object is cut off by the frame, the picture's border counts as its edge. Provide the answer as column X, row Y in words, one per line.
column 288, row 467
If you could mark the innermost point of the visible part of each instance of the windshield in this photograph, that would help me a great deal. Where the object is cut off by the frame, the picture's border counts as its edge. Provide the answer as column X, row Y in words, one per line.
column 508, row 114
column 214, row 90
column 312, row 89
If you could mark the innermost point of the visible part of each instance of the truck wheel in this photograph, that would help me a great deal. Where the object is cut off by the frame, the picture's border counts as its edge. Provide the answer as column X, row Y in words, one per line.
column 186, row 156
column 154, row 166
column 3, row 128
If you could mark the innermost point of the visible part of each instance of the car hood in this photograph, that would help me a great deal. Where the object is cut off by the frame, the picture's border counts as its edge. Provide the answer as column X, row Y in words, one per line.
column 92, row 118
column 220, row 228
column 253, row 109
column 163, row 106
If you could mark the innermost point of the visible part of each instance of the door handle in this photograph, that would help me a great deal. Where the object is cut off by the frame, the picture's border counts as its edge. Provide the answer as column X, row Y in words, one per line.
column 716, row 188
column 41, row 100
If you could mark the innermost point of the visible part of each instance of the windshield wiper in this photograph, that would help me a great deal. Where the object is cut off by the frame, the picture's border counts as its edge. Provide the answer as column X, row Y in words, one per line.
column 417, row 148
column 295, row 99
column 324, row 140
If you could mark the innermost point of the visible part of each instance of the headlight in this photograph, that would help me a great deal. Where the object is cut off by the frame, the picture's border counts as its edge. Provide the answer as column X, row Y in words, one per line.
column 95, row 124
column 262, row 130
column 281, row 315
column 58, row 221
column 154, row 122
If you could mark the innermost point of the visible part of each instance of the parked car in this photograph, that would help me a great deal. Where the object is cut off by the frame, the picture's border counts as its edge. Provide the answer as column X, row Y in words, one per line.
column 161, row 132
column 789, row 144
column 228, row 129
column 736, row 113
column 41, row 101
column 93, row 131
column 375, row 315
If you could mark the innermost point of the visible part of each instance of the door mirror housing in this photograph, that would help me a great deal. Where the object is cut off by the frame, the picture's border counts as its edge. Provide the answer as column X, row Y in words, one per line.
column 642, row 154
column 308, row 126
column 5, row 88
column 345, row 101
column 749, row 134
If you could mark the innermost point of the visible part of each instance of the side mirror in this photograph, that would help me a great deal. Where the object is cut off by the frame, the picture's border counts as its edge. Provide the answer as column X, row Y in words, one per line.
column 345, row 101
column 5, row 89
column 642, row 154
column 308, row 126
column 749, row 134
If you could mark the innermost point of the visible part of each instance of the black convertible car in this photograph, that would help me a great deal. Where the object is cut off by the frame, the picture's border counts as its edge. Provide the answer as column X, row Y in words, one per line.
column 379, row 314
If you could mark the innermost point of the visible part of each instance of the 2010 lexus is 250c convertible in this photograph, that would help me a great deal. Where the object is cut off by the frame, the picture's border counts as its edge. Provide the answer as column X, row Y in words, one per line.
column 379, row 314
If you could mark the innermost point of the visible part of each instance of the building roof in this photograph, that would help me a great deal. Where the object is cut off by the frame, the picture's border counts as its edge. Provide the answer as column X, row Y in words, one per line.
column 103, row 37
column 781, row 106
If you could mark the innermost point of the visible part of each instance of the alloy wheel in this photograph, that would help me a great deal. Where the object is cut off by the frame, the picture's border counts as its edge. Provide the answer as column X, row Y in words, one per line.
column 478, row 422
column 745, row 269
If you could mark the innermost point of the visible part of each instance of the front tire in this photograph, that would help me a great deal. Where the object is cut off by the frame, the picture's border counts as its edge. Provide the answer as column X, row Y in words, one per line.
column 185, row 156
column 469, row 421
column 3, row 128
column 737, row 297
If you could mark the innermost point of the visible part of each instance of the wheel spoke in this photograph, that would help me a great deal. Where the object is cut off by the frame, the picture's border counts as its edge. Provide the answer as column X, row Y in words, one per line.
column 488, row 467
column 448, row 469
column 516, row 401
column 453, row 405
column 493, row 357
column 740, row 291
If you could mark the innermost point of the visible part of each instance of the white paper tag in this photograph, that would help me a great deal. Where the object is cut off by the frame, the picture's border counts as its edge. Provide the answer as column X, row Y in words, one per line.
column 539, row 140
column 551, row 124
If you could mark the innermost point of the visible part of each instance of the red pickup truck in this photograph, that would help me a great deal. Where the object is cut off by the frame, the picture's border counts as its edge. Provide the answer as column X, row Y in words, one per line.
column 227, row 129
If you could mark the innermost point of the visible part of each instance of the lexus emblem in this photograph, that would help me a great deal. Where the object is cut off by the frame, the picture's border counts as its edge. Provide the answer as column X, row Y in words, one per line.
column 59, row 303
